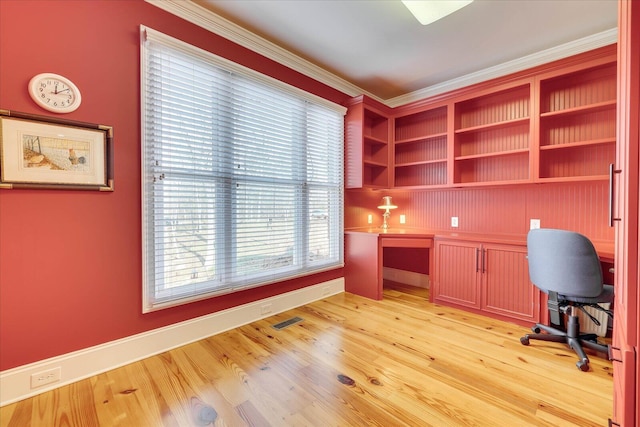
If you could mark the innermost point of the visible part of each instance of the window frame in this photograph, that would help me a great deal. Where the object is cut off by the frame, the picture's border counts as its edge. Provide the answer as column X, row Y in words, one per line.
column 227, row 227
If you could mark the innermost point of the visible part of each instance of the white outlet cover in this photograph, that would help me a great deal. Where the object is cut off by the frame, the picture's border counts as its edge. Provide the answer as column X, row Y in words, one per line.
column 454, row 221
column 43, row 378
column 534, row 224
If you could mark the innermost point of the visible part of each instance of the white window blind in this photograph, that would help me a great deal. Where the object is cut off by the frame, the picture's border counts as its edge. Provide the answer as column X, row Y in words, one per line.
column 242, row 176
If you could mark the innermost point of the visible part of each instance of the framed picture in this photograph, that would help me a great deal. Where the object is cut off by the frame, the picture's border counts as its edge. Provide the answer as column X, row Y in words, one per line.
column 47, row 152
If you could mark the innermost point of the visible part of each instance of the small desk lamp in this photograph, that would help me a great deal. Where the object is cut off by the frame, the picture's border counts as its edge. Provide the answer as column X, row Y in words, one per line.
column 387, row 205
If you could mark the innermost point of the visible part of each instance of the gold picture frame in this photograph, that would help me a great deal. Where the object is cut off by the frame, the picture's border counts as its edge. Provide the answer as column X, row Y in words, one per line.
column 48, row 152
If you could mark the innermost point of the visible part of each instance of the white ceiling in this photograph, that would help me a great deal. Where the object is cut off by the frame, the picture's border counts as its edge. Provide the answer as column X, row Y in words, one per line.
column 379, row 48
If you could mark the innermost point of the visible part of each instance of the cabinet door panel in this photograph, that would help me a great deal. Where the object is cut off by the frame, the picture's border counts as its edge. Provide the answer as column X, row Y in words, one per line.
column 506, row 288
column 457, row 276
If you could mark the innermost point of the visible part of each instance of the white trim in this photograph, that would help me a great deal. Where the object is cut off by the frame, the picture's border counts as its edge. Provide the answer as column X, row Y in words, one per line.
column 208, row 20
column 407, row 277
column 566, row 50
column 15, row 383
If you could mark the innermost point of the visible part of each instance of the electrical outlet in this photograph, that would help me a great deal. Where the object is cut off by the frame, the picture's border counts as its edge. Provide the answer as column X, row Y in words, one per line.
column 43, row 378
column 454, row 221
column 403, row 219
column 265, row 309
column 534, row 224
column 369, row 219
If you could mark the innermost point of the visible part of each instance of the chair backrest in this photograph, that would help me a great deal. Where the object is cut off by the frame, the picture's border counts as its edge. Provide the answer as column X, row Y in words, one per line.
column 565, row 262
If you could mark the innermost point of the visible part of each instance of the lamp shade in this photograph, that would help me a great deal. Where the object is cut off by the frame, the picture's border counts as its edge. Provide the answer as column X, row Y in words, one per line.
column 387, row 203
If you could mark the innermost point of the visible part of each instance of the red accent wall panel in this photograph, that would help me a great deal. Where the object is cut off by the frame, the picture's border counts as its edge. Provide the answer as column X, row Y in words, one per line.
column 70, row 261
column 578, row 206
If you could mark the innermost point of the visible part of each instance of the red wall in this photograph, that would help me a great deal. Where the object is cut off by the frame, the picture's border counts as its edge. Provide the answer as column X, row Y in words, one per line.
column 70, row 261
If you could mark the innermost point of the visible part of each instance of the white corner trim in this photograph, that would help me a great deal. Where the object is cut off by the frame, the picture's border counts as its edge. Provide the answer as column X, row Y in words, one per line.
column 407, row 277
column 15, row 383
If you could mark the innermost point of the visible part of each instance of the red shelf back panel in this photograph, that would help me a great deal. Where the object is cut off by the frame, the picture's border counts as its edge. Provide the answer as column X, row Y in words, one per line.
column 511, row 104
column 493, row 140
column 422, row 151
column 588, row 160
column 376, row 126
column 418, row 175
column 422, row 124
column 579, row 89
column 376, row 153
column 376, row 176
column 588, row 126
column 513, row 167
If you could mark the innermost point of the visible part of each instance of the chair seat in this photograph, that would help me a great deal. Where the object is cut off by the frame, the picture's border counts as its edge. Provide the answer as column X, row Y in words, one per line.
column 605, row 297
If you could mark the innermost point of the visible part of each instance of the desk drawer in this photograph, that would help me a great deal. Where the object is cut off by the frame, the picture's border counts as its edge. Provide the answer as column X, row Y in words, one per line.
column 406, row 242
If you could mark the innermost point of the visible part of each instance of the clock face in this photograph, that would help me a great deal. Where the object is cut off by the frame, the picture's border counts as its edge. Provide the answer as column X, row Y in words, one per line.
column 54, row 93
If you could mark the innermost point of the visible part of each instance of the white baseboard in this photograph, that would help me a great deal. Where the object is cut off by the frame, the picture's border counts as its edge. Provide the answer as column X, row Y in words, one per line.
column 407, row 277
column 15, row 383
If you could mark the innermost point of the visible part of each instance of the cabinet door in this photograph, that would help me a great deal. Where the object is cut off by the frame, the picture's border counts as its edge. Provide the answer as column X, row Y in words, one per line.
column 506, row 288
column 362, row 269
column 626, row 306
column 457, row 275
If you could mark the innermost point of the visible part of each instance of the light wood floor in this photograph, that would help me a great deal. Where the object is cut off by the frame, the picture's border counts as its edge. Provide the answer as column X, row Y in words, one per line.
column 350, row 362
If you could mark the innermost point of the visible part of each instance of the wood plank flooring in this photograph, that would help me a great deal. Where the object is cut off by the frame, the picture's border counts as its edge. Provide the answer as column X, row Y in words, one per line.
column 351, row 362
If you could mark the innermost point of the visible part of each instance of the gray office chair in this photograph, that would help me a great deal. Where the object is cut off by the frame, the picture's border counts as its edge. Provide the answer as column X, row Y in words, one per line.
column 566, row 267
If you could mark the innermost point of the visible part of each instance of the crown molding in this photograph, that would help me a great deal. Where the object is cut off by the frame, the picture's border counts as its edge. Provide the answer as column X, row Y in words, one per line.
column 208, row 20
column 562, row 51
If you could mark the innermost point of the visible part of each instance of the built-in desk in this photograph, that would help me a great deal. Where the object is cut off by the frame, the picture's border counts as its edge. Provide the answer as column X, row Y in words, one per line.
column 364, row 248
column 502, row 291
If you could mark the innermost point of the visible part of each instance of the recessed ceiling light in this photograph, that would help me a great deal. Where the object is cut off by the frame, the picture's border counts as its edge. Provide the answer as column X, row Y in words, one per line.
column 428, row 11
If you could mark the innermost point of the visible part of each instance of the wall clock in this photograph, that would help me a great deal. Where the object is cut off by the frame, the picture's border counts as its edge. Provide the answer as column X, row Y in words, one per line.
column 55, row 93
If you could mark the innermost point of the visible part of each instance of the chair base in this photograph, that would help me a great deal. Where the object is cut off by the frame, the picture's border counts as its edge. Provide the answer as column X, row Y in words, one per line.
column 571, row 337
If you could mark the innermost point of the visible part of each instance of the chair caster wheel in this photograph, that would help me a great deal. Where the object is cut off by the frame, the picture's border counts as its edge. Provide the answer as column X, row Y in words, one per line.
column 535, row 330
column 524, row 340
column 583, row 365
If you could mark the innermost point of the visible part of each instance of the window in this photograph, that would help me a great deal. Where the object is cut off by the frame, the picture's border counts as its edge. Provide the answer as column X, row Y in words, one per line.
column 242, row 176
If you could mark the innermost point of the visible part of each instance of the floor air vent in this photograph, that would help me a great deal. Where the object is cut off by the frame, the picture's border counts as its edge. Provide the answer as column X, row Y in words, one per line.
column 287, row 323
